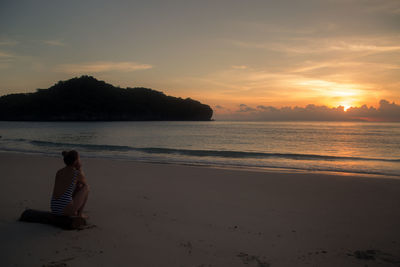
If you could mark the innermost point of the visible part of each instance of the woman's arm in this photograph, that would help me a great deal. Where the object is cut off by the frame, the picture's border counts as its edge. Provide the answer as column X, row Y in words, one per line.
column 81, row 177
column 80, row 182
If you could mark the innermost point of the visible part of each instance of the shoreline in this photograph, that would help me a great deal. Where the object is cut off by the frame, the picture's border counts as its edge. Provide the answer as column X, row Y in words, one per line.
column 146, row 214
column 269, row 169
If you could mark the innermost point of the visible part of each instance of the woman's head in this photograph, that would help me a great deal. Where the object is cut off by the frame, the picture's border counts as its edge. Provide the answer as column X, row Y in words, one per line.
column 70, row 157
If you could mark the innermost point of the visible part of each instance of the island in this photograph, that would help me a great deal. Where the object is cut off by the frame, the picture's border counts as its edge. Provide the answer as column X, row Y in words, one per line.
column 88, row 99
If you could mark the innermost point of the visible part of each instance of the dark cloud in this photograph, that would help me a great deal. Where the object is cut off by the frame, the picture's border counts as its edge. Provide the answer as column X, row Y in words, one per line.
column 246, row 108
column 267, row 108
column 385, row 112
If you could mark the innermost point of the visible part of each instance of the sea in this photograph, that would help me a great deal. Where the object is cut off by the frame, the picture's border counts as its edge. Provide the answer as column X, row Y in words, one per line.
column 359, row 148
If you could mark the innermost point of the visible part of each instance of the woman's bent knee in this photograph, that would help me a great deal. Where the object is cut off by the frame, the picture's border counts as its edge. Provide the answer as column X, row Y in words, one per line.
column 86, row 188
column 82, row 187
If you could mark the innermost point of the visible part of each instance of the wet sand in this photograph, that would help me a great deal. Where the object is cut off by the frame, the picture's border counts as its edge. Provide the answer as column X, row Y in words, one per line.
column 144, row 214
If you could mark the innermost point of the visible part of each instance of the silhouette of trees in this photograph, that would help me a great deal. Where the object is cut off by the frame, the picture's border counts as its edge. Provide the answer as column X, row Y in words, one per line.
column 88, row 99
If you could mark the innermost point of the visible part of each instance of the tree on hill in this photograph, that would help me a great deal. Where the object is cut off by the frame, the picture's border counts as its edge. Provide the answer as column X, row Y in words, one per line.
column 88, row 99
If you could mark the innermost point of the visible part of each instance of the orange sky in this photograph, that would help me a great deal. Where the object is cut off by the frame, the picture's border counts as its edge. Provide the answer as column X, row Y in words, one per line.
column 223, row 53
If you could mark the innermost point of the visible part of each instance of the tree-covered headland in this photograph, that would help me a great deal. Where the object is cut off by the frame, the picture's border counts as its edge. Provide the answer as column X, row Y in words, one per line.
column 88, row 99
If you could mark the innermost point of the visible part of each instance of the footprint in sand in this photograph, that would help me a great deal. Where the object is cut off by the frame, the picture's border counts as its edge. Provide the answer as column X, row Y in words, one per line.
column 246, row 259
column 60, row 263
column 187, row 245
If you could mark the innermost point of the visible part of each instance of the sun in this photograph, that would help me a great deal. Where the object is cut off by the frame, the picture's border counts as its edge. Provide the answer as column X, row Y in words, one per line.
column 347, row 103
column 335, row 94
column 346, row 107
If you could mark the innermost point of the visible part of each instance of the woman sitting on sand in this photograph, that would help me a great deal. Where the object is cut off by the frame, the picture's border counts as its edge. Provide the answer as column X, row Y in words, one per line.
column 70, row 188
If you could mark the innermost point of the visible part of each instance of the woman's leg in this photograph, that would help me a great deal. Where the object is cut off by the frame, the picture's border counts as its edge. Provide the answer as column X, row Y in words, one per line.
column 85, row 197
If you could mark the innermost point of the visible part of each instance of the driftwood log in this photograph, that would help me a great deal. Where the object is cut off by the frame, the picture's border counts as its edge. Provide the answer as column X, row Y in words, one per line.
column 65, row 222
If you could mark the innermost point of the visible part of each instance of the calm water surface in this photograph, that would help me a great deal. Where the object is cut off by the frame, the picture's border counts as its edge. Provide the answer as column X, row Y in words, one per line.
column 369, row 148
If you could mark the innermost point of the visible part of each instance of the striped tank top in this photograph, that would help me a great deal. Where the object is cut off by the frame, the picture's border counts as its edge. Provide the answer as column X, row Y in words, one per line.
column 58, row 204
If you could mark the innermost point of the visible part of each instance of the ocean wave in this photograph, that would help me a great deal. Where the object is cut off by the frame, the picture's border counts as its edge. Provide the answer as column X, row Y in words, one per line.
column 84, row 146
column 201, row 153
column 241, row 165
column 260, row 155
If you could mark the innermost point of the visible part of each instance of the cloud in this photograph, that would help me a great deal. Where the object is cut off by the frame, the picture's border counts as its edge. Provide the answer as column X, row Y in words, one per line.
column 5, row 55
column 361, row 47
column 309, row 69
column 316, row 45
column 385, row 112
column 12, row 42
column 102, row 66
column 295, row 84
column 383, row 6
column 239, row 67
column 8, row 42
column 315, row 66
column 53, row 42
column 245, row 108
column 6, row 59
column 222, row 109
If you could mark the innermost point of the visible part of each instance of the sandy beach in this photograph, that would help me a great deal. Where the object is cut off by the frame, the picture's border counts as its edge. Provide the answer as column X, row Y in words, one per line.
column 144, row 214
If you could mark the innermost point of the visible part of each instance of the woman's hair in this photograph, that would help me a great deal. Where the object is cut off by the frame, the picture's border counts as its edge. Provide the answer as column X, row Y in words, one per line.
column 70, row 157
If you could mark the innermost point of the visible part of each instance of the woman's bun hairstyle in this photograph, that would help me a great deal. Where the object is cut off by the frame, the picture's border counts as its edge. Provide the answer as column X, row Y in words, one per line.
column 70, row 157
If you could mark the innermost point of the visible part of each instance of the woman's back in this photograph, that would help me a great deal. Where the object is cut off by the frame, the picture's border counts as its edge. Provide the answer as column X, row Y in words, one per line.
column 70, row 190
column 65, row 177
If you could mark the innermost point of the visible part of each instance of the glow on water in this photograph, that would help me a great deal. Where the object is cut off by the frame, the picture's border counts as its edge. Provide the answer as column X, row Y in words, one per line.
column 318, row 146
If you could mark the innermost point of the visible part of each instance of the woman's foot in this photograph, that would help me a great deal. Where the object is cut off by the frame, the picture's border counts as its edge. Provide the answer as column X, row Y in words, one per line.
column 84, row 216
